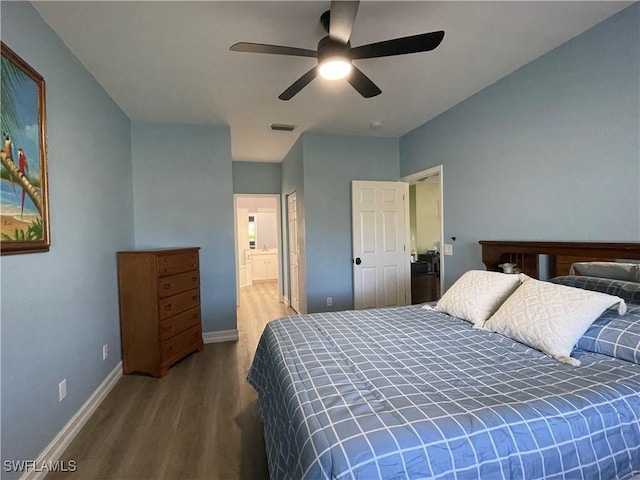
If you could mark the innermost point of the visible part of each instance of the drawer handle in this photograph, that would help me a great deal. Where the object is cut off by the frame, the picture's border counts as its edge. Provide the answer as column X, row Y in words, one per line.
column 170, row 349
column 194, row 279
column 168, row 329
column 167, row 286
column 195, row 315
column 195, row 297
column 167, row 270
column 168, row 306
column 194, row 264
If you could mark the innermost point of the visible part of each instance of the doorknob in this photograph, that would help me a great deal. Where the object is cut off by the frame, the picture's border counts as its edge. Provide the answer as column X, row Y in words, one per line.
column 358, row 261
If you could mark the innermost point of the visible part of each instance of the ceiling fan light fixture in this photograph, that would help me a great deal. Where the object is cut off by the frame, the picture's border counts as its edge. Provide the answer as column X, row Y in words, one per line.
column 334, row 53
column 335, row 68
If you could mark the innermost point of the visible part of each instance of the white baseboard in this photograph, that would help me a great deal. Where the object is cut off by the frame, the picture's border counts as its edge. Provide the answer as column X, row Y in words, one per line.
column 285, row 300
column 59, row 444
column 220, row 336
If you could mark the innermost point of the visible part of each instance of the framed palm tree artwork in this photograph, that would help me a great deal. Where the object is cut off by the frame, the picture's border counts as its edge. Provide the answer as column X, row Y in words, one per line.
column 24, row 202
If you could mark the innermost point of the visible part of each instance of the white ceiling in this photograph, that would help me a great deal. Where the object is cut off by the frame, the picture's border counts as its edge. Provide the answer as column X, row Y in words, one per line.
column 168, row 61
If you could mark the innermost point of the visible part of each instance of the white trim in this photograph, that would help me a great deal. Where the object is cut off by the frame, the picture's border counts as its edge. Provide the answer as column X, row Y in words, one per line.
column 63, row 439
column 285, row 300
column 220, row 336
column 235, row 249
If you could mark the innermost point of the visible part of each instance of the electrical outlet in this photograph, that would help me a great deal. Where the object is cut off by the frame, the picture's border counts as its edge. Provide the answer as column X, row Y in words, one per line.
column 105, row 351
column 62, row 389
column 329, row 301
column 448, row 249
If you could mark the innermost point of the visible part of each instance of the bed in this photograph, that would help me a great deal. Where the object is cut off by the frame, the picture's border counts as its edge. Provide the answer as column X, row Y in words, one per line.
column 411, row 392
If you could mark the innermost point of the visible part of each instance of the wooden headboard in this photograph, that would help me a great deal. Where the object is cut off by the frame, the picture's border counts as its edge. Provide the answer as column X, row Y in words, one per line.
column 561, row 254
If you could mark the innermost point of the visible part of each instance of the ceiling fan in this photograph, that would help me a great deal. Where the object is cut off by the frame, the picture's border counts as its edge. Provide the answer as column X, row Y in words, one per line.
column 335, row 53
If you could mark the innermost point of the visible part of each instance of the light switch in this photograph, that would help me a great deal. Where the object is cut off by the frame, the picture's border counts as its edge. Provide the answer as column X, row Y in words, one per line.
column 448, row 249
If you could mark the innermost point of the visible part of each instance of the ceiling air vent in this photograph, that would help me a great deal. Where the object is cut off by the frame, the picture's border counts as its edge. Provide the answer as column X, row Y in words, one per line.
column 281, row 127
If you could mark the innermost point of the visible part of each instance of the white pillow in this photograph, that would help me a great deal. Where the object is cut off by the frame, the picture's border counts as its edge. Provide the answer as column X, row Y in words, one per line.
column 550, row 317
column 477, row 295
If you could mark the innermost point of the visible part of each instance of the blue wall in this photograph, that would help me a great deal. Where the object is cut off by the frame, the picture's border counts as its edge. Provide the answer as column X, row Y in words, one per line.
column 330, row 164
column 184, row 197
column 257, row 177
column 60, row 307
column 550, row 152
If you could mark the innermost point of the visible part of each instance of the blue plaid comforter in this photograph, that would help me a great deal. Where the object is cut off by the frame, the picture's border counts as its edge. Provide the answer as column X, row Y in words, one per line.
column 411, row 393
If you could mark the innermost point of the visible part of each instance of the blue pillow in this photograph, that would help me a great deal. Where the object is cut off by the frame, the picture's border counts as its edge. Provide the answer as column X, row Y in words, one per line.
column 615, row 335
column 611, row 334
column 628, row 291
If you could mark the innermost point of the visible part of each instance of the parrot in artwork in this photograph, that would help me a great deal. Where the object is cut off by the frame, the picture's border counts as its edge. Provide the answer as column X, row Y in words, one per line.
column 23, row 168
column 7, row 145
column 9, row 152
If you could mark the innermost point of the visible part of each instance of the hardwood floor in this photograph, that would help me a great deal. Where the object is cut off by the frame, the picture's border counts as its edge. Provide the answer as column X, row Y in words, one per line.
column 199, row 422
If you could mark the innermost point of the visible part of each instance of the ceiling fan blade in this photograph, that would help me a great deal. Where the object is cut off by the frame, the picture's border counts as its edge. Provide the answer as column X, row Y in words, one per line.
column 362, row 83
column 272, row 49
column 299, row 84
column 399, row 46
column 343, row 16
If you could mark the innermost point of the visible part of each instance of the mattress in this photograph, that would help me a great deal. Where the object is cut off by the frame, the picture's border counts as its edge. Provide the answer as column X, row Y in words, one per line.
column 412, row 393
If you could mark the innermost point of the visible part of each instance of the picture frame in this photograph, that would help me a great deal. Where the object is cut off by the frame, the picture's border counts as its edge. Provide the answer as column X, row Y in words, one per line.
column 24, row 196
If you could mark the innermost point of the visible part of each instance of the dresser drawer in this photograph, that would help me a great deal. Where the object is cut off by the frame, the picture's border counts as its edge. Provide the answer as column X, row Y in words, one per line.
column 176, row 346
column 182, row 282
column 170, row 306
column 179, row 323
column 178, row 263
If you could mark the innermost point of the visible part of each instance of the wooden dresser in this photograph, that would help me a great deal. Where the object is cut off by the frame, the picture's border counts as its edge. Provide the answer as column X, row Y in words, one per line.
column 159, row 308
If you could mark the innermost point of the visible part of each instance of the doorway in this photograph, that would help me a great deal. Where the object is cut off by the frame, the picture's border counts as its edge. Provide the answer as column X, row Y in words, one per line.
column 426, row 234
column 258, row 249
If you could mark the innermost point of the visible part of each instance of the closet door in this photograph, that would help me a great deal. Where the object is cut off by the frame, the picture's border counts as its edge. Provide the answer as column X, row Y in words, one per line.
column 294, row 250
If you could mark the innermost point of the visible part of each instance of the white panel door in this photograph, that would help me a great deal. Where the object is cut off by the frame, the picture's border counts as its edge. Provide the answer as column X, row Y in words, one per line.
column 242, row 217
column 294, row 249
column 381, row 267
